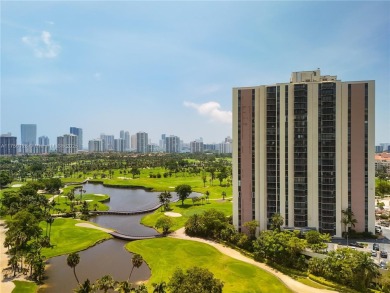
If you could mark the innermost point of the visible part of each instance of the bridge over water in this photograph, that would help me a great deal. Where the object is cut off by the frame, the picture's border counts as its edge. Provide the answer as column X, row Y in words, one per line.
column 133, row 237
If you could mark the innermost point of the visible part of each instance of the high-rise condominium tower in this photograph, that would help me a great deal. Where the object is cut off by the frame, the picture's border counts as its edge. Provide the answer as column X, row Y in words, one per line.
column 304, row 149
column 8, row 144
column 28, row 134
column 142, row 142
column 172, row 144
column 79, row 133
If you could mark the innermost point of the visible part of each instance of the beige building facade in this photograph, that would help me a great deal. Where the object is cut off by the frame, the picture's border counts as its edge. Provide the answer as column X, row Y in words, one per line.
column 304, row 149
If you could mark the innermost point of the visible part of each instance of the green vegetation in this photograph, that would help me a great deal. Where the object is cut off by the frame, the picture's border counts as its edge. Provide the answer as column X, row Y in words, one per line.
column 25, row 287
column 67, row 238
column 186, row 211
column 172, row 253
column 195, row 280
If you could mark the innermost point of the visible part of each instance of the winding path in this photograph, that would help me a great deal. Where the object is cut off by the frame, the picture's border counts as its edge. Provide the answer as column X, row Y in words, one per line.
column 288, row 281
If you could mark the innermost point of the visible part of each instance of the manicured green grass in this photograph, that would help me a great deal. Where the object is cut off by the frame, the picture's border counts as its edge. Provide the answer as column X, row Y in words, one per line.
column 67, row 238
column 164, row 255
column 63, row 203
column 163, row 184
column 24, row 287
column 187, row 210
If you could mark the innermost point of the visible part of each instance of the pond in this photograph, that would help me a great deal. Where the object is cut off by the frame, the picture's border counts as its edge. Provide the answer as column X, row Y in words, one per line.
column 107, row 258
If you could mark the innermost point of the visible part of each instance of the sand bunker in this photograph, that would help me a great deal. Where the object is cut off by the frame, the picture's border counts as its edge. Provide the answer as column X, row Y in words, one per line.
column 87, row 225
column 171, row 214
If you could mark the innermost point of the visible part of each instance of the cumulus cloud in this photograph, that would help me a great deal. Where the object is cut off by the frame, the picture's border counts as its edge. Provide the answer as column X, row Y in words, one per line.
column 212, row 110
column 43, row 45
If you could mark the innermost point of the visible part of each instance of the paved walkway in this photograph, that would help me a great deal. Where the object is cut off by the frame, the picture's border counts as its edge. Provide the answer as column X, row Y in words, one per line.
column 288, row 281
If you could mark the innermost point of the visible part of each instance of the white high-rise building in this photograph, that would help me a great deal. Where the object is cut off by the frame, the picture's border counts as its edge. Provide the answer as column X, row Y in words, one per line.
column 95, row 145
column 67, row 144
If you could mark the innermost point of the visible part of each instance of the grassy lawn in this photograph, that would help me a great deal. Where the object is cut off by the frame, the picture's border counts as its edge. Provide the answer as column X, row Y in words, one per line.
column 164, row 255
column 63, row 203
column 162, row 184
column 187, row 210
column 67, row 238
column 24, row 287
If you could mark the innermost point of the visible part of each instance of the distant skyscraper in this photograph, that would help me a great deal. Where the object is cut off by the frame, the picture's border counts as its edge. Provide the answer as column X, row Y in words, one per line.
column 28, row 137
column 304, row 149
column 108, row 142
column 162, row 142
column 172, row 144
column 196, row 146
column 95, row 145
column 127, row 141
column 119, row 145
column 133, row 142
column 43, row 140
column 7, row 144
column 79, row 133
column 67, row 144
column 142, row 142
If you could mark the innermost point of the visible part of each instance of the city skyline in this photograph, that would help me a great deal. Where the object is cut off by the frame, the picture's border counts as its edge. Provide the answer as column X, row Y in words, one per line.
column 169, row 67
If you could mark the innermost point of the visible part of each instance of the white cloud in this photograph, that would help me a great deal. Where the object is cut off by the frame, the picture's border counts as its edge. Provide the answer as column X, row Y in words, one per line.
column 43, row 45
column 212, row 110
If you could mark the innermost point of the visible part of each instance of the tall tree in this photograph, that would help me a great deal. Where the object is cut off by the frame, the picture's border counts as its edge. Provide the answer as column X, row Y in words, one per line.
column 252, row 226
column 348, row 219
column 276, row 222
column 73, row 260
column 183, row 192
column 137, row 261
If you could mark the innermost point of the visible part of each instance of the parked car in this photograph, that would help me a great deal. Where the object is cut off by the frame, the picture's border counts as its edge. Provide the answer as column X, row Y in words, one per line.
column 378, row 229
column 357, row 244
column 383, row 254
column 375, row 246
column 373, row 253
column 383, row 265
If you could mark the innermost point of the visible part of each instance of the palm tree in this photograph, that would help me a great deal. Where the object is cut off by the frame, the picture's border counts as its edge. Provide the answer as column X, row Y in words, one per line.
column 207, row 195
column 137, row 261
column 86, row 287
column 72, row 261
column 223, row 195
column 81, row 193
column 50, row 221
column 159, row 287
column 123, row 287
column 276, row 221
column 348, row 218
column 105, row 283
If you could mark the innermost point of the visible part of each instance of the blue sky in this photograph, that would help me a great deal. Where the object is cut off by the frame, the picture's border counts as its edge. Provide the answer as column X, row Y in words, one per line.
column 169, row 67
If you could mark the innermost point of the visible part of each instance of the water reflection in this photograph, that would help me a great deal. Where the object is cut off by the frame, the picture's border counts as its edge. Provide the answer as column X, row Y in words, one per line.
column 107, row 258
column 128, row 225
column 124, row 199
